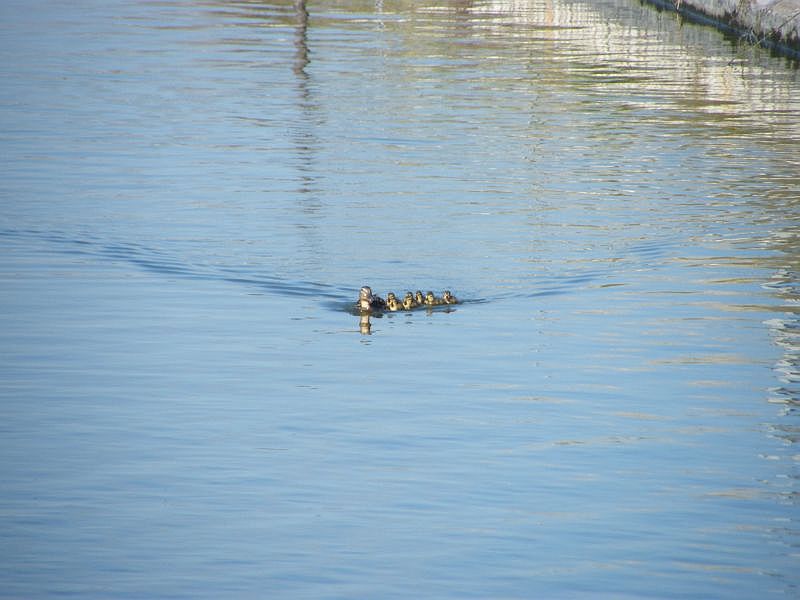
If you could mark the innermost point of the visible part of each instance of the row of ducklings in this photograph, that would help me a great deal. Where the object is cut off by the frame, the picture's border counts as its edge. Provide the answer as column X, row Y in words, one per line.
column 411, row 301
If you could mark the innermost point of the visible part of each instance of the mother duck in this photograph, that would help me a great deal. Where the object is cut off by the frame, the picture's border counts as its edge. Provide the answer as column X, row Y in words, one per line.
column 368, row 301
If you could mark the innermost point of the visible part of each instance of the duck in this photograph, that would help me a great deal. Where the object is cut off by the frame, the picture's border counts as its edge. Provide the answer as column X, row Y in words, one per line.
column 431, row 300
column 392, row 303
column 448, row 298
column 408, row 301
column 419, row 298
column 368, row 301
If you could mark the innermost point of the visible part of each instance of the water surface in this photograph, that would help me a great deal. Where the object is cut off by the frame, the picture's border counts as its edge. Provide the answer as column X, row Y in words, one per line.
column 192, row 194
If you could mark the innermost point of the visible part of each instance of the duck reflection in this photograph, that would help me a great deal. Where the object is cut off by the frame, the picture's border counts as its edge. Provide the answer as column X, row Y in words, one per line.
column 364, row 325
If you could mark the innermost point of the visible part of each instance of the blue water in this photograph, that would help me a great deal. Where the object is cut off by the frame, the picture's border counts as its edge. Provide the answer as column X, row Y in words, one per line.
column 191, row 196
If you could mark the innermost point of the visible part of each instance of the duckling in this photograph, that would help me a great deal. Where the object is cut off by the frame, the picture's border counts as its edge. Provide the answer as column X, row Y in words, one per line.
column 448, row 298
column 368, row 301
column 392, row 303
column 431, row 300
column 420, row 299
column 408, row 301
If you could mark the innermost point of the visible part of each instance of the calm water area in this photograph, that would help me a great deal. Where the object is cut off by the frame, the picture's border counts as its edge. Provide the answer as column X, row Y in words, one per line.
column 191, row 195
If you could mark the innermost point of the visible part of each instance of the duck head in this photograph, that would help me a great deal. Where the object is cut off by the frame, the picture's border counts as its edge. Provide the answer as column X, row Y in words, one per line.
column 365, row 298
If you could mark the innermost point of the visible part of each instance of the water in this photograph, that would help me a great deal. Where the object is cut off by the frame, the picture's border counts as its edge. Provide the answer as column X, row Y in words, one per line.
column 192, row 194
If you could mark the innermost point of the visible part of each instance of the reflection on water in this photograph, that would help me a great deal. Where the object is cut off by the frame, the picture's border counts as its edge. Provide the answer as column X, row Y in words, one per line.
column 301, row 38
column 785, row 332
column 193, row 196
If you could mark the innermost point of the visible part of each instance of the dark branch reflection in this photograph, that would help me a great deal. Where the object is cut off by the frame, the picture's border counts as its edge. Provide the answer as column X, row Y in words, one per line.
column 301, row 38
column 305, row 141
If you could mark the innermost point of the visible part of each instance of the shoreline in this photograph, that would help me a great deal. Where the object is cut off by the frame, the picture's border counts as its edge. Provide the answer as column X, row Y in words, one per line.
column 773, row 24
